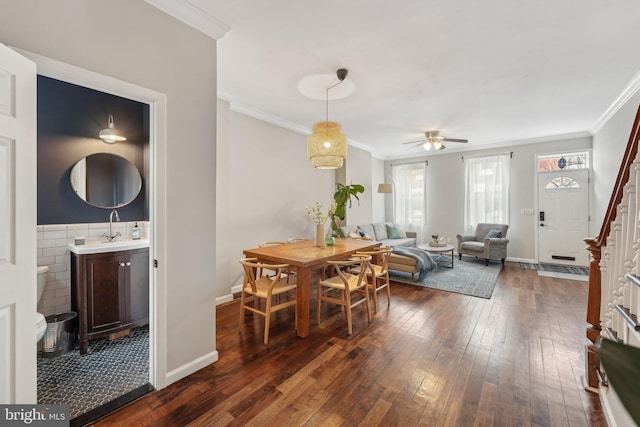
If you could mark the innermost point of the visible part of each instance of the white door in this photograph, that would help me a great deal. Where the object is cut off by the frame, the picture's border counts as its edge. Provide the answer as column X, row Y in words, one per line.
column 17, row 228
column 563, row 217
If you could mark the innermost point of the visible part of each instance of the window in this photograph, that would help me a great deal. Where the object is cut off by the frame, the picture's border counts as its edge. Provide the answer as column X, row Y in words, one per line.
column 486, row 193
column 562, row 182
column 410, row 182
column 571, row 160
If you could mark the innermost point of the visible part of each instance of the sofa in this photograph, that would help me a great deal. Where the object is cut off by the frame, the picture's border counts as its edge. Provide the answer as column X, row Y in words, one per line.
column 380, row 232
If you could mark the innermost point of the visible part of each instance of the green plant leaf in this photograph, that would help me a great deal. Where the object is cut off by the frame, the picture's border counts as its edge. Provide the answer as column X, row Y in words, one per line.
column 622, row 365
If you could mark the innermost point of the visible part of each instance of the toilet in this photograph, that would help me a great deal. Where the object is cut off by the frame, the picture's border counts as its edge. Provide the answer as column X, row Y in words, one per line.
column 41, row 322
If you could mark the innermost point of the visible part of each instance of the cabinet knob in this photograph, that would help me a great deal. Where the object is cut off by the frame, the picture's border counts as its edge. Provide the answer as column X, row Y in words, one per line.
column 128, row 264
column 122, row 264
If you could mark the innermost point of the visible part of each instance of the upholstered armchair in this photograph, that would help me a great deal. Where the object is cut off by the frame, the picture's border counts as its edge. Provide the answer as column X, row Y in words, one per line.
column 489, row 242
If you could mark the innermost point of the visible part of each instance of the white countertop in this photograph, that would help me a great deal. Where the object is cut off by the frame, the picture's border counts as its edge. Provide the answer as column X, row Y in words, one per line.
column 98, row 246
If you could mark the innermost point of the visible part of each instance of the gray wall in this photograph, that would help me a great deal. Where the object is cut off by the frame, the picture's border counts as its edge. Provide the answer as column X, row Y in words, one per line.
column 137, row 43
column 445, row 192
column 265, row 181
column 609, row 144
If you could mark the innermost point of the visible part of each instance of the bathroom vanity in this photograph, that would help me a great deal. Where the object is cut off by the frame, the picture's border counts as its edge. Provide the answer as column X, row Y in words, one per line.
column 109, row 287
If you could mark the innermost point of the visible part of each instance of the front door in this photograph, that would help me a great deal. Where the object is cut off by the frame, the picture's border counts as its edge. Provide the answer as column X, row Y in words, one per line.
column 17, row 228
column 563, row 217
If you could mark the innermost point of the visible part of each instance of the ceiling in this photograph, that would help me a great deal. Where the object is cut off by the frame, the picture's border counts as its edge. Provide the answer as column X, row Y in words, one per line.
column 496, row 72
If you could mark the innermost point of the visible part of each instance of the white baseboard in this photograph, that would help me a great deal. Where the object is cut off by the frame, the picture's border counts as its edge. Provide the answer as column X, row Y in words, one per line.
column 222, row 300
column 236, row 289
column 527, row 260
column 191, row 367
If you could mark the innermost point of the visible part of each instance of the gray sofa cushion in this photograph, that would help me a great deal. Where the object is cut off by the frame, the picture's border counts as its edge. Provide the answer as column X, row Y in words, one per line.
column 368, row 229
column 380, row 230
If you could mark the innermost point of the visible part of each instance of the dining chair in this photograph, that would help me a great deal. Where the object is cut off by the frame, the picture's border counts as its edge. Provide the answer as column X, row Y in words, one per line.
column 346, row 284
column 298, row 239
column 287, row 273
column 378, row 274
column 256, row 288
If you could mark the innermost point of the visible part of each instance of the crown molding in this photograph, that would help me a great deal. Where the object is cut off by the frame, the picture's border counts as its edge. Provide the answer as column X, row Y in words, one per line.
column 185, row 11
column 630, row 89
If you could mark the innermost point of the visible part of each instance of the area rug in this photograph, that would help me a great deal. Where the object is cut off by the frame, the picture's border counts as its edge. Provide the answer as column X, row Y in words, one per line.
column 468, row 276
column 558, row 271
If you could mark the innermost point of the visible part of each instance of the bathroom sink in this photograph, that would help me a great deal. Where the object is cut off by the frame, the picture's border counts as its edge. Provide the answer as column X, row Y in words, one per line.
column 95, row 247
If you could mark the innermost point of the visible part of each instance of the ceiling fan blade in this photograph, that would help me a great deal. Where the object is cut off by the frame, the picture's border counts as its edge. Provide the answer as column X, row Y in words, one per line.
column 414, row 142
column 455, row 140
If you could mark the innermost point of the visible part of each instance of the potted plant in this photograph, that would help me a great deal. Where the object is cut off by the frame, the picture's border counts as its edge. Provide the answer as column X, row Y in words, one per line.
column 343, row 194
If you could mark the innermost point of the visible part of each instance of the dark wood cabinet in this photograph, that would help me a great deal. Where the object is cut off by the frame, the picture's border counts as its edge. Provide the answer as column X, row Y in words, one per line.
column 110, row 292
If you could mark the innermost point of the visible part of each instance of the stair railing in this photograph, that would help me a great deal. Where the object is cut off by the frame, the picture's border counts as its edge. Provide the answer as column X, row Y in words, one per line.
column 615, row 255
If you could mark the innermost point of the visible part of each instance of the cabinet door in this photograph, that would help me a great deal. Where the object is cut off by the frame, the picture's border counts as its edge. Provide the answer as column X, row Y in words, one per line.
column 138, row 287
column 105, row 292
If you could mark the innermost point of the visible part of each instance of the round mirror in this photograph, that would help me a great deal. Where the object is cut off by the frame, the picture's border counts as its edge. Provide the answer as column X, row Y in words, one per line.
column 105, row 180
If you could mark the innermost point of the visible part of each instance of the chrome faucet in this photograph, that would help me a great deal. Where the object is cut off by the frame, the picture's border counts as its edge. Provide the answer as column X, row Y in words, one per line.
column 110, row 236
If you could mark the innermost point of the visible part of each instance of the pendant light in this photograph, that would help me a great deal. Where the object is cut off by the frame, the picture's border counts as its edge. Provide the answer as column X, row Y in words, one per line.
column 111, row 135
column 327, row 145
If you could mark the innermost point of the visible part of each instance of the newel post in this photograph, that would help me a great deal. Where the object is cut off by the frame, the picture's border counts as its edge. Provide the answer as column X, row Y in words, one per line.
column 592, row 360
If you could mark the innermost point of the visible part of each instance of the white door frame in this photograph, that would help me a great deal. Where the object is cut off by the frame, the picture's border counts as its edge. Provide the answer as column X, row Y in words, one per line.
column 536, row 207
column 157, row 198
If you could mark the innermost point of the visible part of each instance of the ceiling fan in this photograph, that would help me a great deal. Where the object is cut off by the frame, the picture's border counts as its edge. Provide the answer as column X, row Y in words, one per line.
column 433, row 141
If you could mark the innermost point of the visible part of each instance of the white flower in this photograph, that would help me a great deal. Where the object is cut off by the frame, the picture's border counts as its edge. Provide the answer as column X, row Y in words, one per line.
column 315, row 213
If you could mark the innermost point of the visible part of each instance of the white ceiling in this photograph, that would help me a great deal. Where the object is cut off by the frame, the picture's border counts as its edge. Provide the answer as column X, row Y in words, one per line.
column 493, row 71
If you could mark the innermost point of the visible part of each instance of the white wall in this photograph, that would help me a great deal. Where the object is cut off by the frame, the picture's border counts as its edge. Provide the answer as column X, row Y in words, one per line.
column 445, row 192
column 150, row 49
column 359, row 171
column 265, row 181
column 609, row 144
column 378, row 202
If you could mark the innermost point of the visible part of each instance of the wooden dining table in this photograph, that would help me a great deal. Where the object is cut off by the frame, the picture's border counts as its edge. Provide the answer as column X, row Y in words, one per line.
column 308, row 260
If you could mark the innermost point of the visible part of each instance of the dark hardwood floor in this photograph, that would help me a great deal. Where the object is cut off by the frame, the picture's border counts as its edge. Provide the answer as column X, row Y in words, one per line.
column 431, row 359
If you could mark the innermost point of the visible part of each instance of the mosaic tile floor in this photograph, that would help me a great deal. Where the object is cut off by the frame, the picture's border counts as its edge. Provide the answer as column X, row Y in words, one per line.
column 108, row 370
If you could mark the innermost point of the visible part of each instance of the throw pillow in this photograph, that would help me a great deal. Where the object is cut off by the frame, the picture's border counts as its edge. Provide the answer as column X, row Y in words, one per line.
column 393, row 232
column 494, row 234
column 363, row 234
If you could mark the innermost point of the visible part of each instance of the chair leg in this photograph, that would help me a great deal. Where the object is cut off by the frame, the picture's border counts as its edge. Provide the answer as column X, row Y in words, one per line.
column 318, row 304
column 486, row 262
column 502, row 261
column 374, row 281
column 460, row 256
column 347, row 297
column 388, row 291
column 241, row 307
column 267, row 319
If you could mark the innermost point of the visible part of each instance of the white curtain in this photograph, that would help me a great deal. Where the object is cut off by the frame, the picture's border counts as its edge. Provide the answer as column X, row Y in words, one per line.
column 410, row 206
column 486, row 190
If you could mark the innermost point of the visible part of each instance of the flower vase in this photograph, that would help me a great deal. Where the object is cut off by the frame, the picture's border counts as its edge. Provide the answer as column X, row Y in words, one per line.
column 320, row 236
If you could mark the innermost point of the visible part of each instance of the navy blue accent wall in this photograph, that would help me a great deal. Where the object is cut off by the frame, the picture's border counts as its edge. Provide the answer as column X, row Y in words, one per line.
column 69, row 120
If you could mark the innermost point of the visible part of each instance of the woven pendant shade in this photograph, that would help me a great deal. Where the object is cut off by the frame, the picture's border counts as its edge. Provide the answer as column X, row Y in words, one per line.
column 327, row 146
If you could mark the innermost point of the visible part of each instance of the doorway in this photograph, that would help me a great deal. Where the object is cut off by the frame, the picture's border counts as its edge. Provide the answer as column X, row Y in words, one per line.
column 563, row 209
column 156, row 103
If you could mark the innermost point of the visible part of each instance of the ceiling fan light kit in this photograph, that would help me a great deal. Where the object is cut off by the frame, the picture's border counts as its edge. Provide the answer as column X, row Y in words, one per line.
column 433, row 141
column 327, row 145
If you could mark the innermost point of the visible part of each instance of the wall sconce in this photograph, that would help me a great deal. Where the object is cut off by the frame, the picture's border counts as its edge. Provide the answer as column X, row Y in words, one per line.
column 111, row 135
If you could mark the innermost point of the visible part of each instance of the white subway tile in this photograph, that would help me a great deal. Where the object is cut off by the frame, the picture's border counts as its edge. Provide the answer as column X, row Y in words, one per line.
column 63, row 275
column 57, row 250
column 56, row 234
column 62, row 293
column 57, row 301
column 55, row 227
column 62, row 259
column 64, row 242
column 46, row 260
column 46, row 243
column 56, row 284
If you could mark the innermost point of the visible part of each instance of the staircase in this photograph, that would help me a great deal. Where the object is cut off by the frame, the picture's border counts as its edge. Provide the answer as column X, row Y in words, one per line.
column 613, row 304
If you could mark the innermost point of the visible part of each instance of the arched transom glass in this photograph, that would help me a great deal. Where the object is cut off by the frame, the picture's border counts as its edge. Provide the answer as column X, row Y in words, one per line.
column 562, row 182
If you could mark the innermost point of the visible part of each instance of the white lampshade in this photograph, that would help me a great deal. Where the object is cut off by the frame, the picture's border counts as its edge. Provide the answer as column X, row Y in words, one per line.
column 111, row 134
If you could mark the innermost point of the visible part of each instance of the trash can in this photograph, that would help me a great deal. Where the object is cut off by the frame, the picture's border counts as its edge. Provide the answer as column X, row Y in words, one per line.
column 60, row 336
